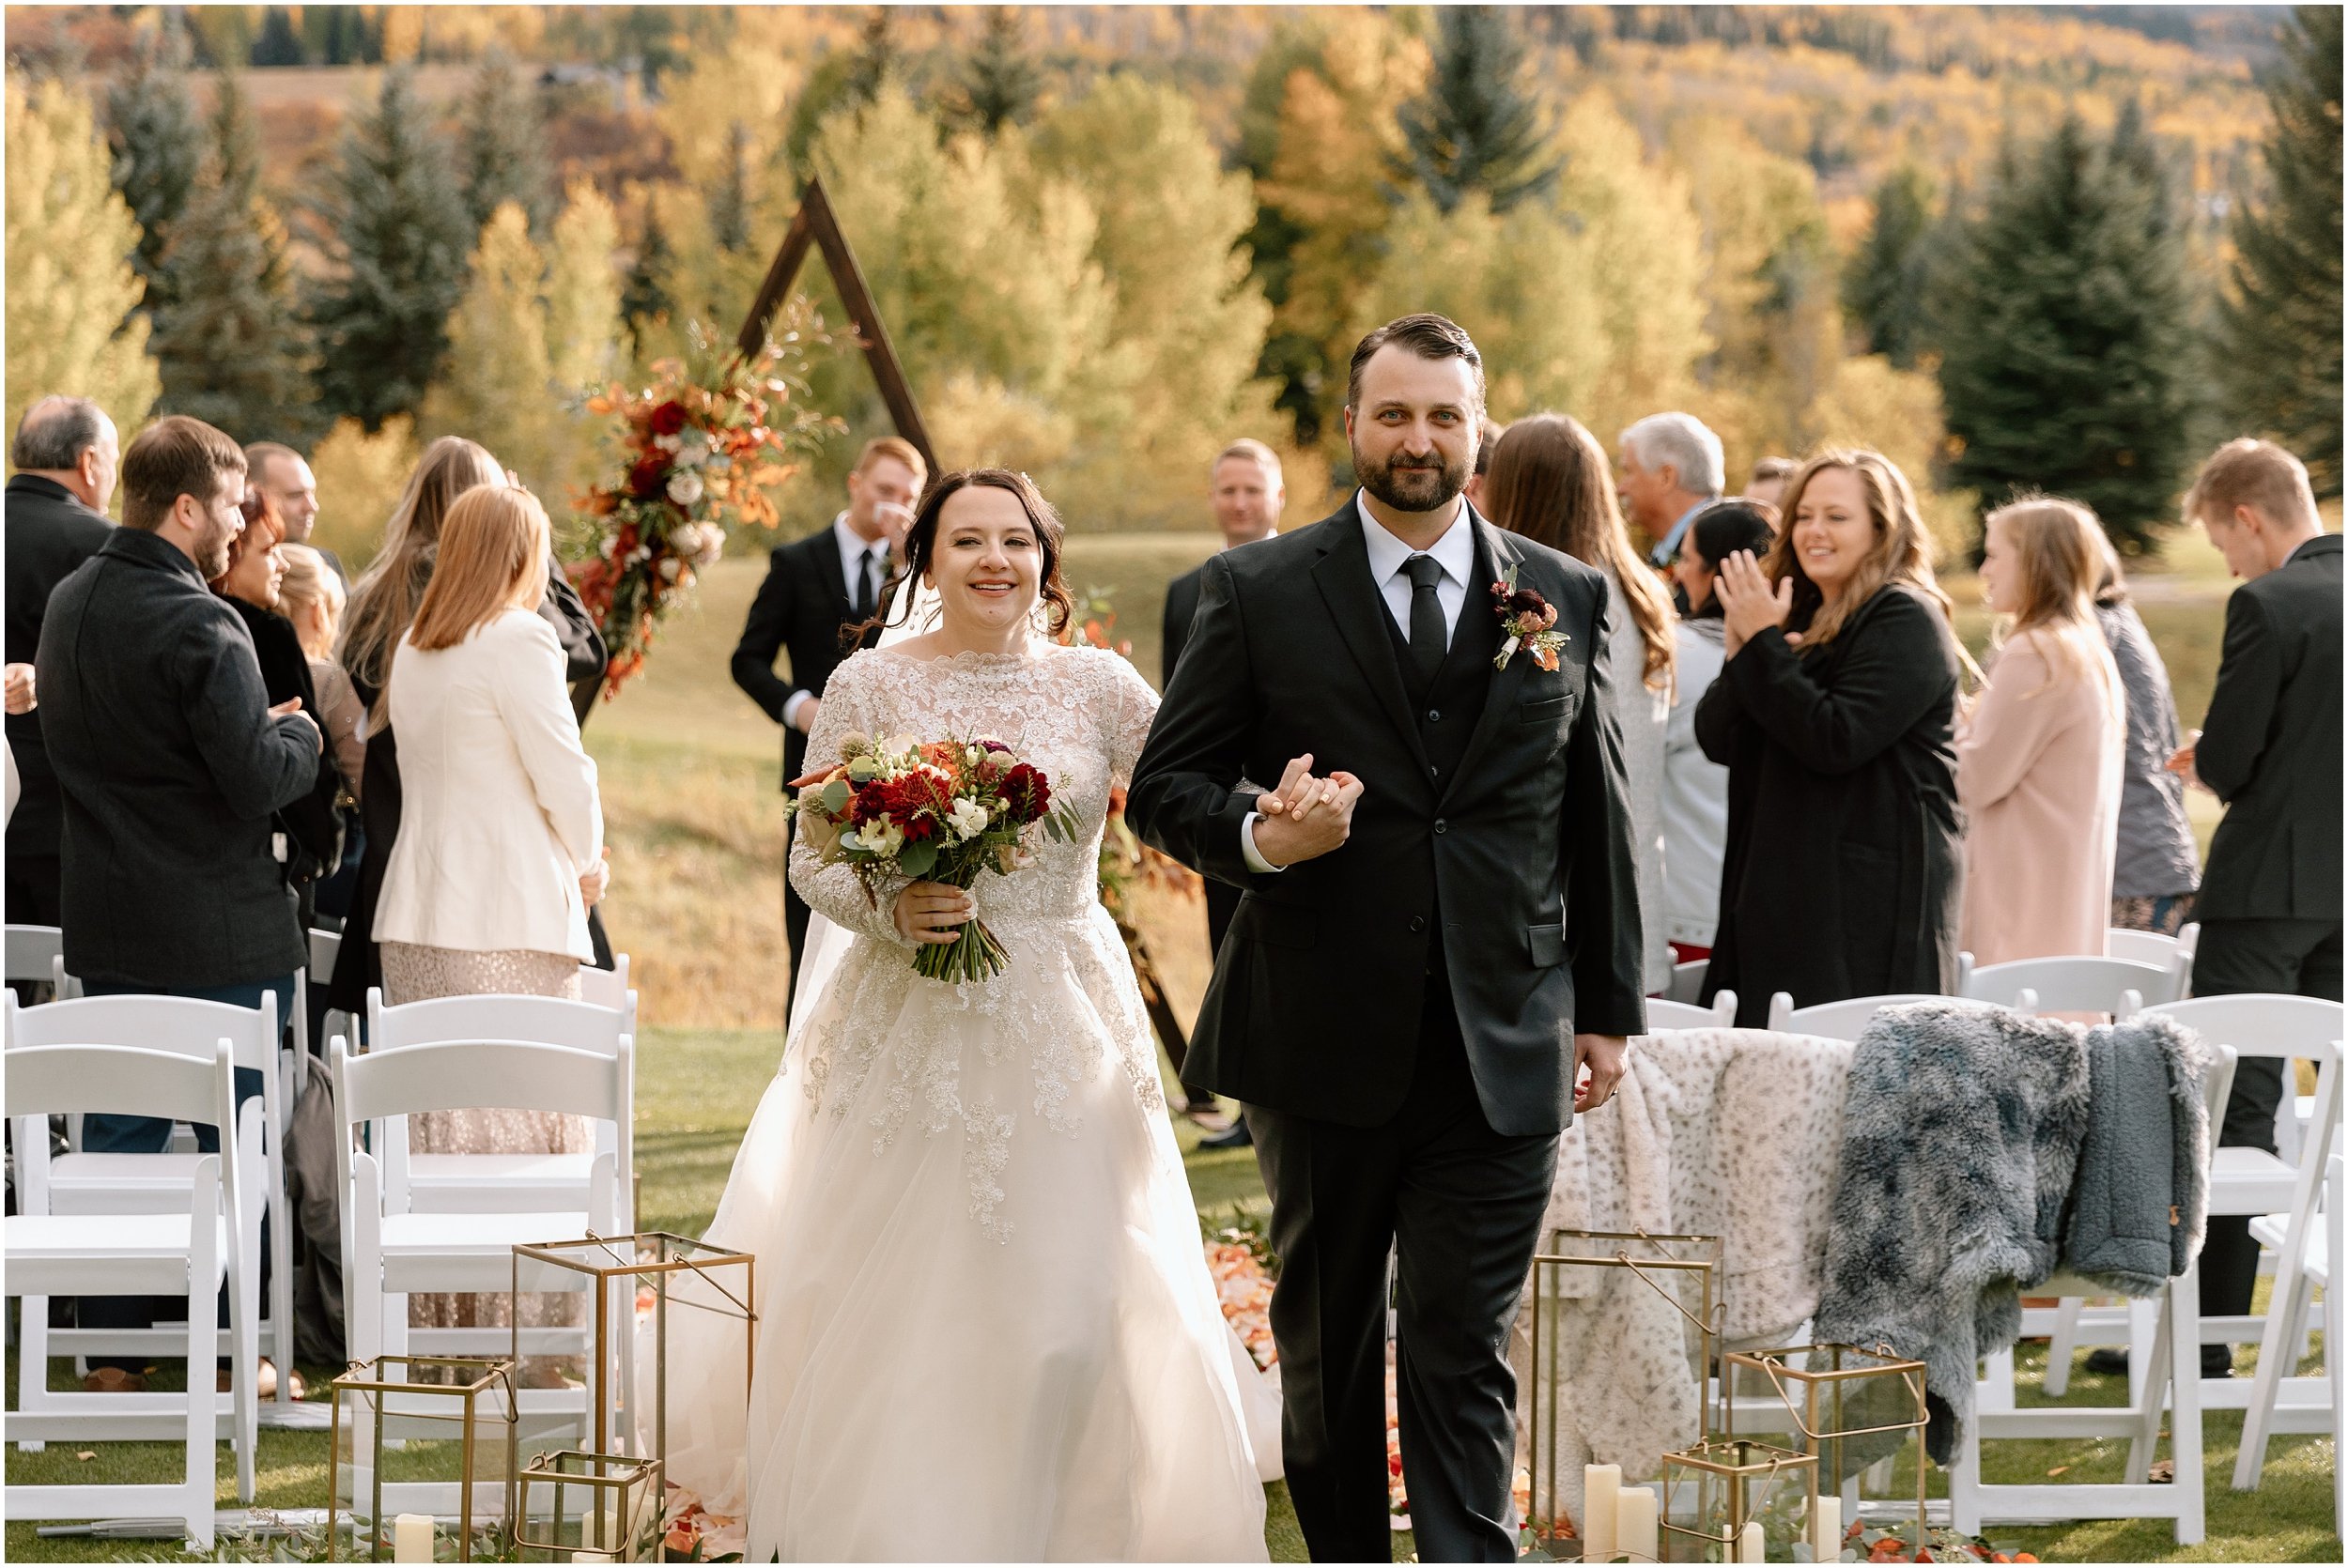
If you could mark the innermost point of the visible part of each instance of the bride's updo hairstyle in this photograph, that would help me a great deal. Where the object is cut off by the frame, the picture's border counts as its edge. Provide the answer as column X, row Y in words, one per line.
column 921, row 540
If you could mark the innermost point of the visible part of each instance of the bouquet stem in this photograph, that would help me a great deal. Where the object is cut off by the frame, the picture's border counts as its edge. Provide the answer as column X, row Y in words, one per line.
column 975, row 955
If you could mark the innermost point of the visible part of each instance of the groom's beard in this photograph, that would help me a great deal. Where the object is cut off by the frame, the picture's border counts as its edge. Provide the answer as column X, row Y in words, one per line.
column 1412, row 484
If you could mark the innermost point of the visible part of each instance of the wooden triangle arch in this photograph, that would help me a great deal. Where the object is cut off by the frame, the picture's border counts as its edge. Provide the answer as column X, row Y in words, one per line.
column 818, row 225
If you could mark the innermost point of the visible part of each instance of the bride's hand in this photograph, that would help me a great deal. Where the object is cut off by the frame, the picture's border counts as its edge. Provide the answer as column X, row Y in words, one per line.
column 931, row 911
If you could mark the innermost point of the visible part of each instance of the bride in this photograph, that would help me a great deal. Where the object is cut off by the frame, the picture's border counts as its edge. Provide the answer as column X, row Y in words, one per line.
column 986, row 1330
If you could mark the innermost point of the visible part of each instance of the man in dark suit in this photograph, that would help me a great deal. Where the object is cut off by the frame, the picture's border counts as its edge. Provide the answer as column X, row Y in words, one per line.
column 66, row 454
column 1438, row 926
column 283, row 474
column 815, row 589
column 2270, row 748
column 1248, row 494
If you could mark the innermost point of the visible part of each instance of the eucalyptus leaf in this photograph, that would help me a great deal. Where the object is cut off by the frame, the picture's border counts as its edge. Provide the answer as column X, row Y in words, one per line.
column 834, row 797
column 917, row 860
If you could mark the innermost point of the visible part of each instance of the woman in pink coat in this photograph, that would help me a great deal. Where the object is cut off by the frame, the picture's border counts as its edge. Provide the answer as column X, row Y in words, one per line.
column 2038, row 758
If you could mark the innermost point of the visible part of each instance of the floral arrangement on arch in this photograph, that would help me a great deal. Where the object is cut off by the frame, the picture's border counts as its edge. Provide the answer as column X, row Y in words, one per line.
column 698, row 450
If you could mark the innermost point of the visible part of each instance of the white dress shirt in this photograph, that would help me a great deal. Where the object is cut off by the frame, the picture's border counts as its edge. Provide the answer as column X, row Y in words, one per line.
column 1455, row 552
column 854, row 550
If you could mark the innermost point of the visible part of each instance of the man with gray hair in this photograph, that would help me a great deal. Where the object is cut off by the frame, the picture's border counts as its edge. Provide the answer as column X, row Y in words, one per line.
column 1672, row 469
column 66, row 455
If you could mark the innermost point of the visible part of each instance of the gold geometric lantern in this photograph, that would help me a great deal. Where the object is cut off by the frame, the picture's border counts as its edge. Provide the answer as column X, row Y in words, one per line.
column 1684, row 1270
column 576, row 1507
column 1849, row 1408
column 416, row 1439
column 685, row 1286
column 1735, row 1501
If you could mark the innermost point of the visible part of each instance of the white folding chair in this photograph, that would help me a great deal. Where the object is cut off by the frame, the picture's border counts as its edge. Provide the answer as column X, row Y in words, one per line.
column 1843, row 1020
column 1687, row 981
column 2174, row 1363
column 81, row 1182
column 2086, row 984
column 390, row 1249
column 2273, row 1230
column 325, row 948
column 609, row 988
column 183, row 1252
column 496, row 1183
column 34, row 954
column 2174, row 953
column 1662, row 1013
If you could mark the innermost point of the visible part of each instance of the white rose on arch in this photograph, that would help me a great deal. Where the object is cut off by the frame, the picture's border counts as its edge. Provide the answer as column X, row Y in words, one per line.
column 685, row 488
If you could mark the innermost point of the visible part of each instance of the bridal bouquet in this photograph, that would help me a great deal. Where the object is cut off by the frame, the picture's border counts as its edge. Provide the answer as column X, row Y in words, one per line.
column 935, row 811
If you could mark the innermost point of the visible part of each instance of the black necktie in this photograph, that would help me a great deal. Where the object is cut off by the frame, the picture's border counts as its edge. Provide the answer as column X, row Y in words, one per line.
column 867, row 585
column 1427, row 636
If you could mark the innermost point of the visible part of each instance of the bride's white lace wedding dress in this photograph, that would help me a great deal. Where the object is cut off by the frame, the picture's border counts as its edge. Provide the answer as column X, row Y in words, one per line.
column 986, row 1328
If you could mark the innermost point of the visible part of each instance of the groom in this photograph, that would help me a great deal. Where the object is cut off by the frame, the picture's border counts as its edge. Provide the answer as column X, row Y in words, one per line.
column 1438, row 925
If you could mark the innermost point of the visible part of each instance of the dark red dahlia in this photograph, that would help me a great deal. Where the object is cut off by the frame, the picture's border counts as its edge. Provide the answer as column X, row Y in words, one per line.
column 647, row 478
column 1525, row 602
column 1028, row 794
column 668, row 418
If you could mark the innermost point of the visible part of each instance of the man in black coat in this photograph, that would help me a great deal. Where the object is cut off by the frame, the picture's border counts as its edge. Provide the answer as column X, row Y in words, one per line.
column 2270, row 748
column 1438, row 925
column 66, row 458
column 1248, row 494
column 815, row 589
column 173, row 764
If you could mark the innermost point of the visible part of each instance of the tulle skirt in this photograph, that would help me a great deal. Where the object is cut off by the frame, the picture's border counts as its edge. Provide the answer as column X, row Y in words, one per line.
column 986, row 1326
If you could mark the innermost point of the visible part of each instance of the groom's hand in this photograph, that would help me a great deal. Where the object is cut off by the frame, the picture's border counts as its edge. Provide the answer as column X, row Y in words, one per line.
column 1305, row 816
column 1601, row 1057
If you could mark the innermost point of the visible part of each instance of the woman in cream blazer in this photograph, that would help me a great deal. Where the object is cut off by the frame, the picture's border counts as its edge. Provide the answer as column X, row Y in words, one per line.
column 500, row 840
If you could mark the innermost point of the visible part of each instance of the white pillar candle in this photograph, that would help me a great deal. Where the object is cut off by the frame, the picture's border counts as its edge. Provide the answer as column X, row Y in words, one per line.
column 1636, row 1534
column 1826, row 1535
column 412, row 1538
column 1602, row 1485
column 1751, row 1545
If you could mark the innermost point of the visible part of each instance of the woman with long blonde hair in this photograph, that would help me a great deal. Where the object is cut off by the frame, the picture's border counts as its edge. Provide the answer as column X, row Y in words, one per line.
column 381, row 608
column 1835, row 714
column 2038, row 758
column 1549, row 481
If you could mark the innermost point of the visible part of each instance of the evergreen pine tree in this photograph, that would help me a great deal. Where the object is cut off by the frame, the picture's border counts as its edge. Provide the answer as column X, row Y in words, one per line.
column 230, row 347
column 1884, row 284
column 501, row 145
column 2064, row 337
column 2281, row 324
column 73, row 323
column 1002, row 83
column 645, row 301
column 394, row 223
column 158, row 147
column 1476, row 128
column 279, row 44
column 729, row 203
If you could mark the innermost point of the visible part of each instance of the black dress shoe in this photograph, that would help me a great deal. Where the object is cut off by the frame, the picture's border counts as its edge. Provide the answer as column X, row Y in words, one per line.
column 2110, row 1361
column 1237, row 1138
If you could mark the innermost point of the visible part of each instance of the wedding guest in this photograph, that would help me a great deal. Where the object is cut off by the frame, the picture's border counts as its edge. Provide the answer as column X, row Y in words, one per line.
column 1696, row 809
column 1487, row 437
column 2270, row 748
column 2038, row 754
column 2155, row 868
column 817, row 587
column 173, row 763
column 66, row 458
column 1550, row 482
column 1767, row 480
column 1672, row 469
column 311, row 597
column 383, row 606
column 1248, row 493
column 1834, row 713
column 500, row 852
column 280, row 471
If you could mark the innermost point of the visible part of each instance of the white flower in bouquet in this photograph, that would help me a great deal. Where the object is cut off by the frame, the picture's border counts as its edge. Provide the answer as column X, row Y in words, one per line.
column 670, row 568
column 880, row 837
column 685, row 488
column 969, row 818
column 668, row 443
column 702, row 544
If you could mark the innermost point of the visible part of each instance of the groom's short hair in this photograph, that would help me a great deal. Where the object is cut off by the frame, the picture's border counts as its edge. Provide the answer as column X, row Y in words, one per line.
column 1428, row 335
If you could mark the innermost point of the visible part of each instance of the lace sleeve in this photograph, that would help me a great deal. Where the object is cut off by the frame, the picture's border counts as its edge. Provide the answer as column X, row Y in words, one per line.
column 1132, row 707
column 851, row 702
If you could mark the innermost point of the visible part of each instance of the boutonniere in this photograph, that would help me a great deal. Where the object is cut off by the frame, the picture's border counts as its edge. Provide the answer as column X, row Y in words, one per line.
column 1527, row 621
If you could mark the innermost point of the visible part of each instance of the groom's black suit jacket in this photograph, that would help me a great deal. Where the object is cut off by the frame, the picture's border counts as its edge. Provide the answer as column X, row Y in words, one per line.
column 1517, row 859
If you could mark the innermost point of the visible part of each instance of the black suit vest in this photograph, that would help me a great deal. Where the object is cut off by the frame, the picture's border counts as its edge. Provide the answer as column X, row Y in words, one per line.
column 1448, row 710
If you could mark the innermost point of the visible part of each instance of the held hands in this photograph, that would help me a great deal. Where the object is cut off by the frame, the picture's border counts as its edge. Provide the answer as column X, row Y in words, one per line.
column 292, row 707
column 19, row 683
column 1305, row 816
column 932, row 913
column 1750, row 603
column 2180, row 764
column 595, row 882
column 1597, row 1067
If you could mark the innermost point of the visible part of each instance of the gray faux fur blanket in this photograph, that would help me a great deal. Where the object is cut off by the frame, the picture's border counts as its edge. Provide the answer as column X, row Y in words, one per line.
column 1962, row 1139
